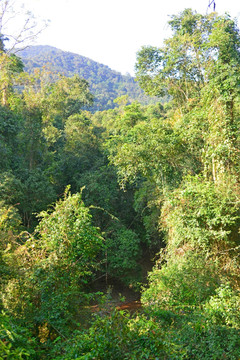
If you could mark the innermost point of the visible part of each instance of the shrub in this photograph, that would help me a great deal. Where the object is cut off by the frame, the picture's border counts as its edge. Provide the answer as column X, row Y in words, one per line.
column 16, row 342
column 185, row 280
column 115, row 337
column 224, row 307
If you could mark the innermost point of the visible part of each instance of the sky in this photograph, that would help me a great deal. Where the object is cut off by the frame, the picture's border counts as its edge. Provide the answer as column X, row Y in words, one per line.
column 112, row 31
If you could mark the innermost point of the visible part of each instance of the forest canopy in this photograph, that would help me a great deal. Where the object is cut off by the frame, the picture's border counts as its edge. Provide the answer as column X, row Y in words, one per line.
column 93, row 202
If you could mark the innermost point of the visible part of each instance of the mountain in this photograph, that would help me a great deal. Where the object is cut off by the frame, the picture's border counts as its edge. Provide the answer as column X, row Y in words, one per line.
column 105, row 84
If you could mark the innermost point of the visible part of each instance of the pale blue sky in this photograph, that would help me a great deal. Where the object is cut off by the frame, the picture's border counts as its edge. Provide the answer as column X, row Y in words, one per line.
column 112, row 31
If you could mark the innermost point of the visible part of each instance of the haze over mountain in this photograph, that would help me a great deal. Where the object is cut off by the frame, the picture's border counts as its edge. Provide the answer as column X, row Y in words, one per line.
column 105, row 84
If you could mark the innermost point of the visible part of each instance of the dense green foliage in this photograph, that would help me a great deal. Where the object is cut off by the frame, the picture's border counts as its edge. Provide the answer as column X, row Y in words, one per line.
column 147, row 181
column 105, row 84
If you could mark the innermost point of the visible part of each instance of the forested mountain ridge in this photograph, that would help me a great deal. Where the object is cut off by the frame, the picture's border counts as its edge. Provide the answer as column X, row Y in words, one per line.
column 105, row 84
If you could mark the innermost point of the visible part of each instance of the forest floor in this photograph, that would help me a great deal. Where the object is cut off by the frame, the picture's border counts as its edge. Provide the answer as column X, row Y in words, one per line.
column 115, row 295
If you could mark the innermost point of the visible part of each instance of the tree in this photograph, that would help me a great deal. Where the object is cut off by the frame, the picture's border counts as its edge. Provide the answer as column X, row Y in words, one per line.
column 10, row 65
column 12, row 37
column 179, row 66
column 43, row 122
column 55, row 266
column 22, row 34
column 199, row 67
column 67, row 96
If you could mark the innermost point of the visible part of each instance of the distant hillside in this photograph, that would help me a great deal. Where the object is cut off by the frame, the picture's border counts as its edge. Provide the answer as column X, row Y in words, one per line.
column 105, row 84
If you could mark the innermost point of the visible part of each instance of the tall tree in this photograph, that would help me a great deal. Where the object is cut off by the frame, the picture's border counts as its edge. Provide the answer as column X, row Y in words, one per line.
column 199, row 67
column 191, row 155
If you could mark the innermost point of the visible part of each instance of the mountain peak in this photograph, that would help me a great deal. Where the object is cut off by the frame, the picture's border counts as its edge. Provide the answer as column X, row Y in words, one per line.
column 105, row 84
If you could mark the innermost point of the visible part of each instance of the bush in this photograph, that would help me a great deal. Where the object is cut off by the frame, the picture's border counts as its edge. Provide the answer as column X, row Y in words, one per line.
column 197, row 339
column 117, row 337
column 186, row 280
column 54, row 266
column 123, row 252
column 202, row 214
column 224, row 307
column 16, row 342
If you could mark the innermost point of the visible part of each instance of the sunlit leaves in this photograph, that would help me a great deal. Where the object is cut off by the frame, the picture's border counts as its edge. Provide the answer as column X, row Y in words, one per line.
column 67, row 233
column 201, row 215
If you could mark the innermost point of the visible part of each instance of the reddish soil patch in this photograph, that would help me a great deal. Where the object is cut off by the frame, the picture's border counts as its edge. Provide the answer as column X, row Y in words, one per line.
column 130, row 306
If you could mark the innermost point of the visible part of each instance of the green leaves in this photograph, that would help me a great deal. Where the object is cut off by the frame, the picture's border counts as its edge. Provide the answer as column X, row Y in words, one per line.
column 146, row 147
column 122, row 254
column 67, row 234
column 223, row 307
column 201, row 215
column 16, row 342
column 199, row 209
column 69, row 95
column 55, row 264
column 119, row 337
